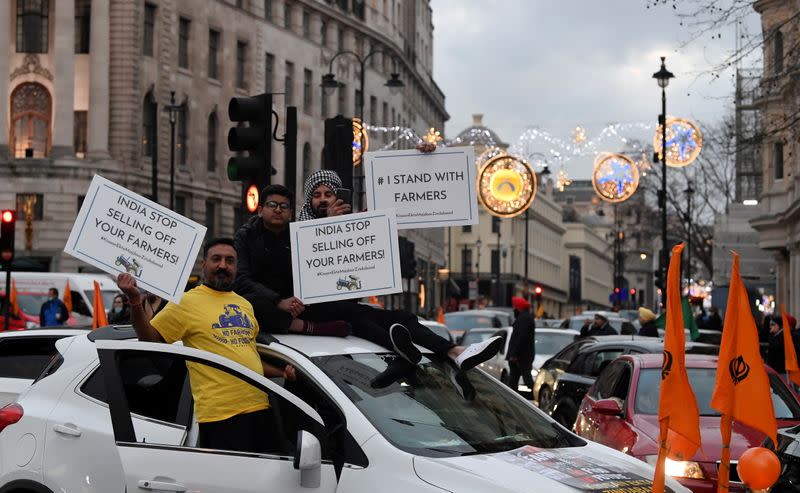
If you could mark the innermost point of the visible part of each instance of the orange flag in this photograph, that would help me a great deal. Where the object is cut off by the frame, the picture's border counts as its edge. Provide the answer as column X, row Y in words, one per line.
column 12, row 299
column 440, row 316
column 68, row 298
column 99, row 318
column 788, row 348
column 678, row 415
column 742, row 391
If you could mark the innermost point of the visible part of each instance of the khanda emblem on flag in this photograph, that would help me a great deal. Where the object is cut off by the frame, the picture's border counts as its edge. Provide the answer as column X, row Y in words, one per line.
column 666, row 367
column 739, row 369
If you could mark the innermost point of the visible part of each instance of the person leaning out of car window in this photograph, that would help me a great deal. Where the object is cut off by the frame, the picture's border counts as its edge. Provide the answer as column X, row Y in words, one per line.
column 648, row 320
column 600, row 327
column 232, row 414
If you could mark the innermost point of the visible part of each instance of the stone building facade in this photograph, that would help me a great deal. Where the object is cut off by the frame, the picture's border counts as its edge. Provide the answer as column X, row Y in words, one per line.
column 85, row 85
column 778, row 223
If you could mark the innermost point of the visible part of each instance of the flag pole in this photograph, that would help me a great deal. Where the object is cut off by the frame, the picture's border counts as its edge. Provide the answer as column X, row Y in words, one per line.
column 658, row 479
column 724, row 472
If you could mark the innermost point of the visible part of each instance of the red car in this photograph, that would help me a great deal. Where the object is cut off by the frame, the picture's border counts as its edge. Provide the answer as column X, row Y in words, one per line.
column 621, row 411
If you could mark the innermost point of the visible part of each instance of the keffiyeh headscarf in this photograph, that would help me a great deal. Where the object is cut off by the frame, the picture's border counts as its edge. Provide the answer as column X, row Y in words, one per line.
column 322, row 177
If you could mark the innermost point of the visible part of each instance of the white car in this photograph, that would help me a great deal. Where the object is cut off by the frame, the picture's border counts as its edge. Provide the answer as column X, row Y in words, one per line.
column 112, row 414
column 548, row 343
column 23, row 356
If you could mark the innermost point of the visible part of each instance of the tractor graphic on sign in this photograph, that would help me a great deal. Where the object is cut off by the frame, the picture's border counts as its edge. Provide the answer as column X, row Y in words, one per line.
column 130, row 265
column 350, row 283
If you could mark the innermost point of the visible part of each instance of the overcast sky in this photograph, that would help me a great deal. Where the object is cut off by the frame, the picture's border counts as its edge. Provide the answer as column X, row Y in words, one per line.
column 557, row 64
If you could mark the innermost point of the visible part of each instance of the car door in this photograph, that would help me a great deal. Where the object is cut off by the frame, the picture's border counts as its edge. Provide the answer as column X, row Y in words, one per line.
column 150, row 466
column 612, row 431
column 22, row 359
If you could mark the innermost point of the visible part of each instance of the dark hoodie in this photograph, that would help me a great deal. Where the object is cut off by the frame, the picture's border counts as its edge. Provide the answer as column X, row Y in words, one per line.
column 264, row 259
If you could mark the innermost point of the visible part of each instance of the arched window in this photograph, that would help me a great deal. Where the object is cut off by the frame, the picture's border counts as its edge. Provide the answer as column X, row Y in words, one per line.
column 211, row 151
column 31, row 108
column 306, row 160
column 149, row 112
column 32, row 24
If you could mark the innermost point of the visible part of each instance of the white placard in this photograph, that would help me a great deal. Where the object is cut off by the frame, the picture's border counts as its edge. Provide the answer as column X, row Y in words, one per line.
column 345, row 257
column 120, row 231
column 427, row 190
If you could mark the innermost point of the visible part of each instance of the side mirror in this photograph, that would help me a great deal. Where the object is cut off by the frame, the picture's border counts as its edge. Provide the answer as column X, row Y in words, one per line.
column 607, row 407
column 308, row 459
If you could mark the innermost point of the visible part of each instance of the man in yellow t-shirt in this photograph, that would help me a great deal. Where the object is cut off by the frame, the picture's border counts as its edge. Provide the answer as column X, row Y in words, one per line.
column 232, row 414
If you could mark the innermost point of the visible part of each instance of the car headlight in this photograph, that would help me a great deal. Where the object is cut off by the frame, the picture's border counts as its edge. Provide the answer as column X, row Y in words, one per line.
column 678, row 468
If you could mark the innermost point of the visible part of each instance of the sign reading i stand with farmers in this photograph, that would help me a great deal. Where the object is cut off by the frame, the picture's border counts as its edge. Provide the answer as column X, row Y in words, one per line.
column 344, row 257
column 119, row 231
column 427, row 190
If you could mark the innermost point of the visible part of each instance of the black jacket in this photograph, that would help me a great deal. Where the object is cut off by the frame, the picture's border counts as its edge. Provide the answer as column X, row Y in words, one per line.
column 649, row 329
column 604, row 330
column 523, row 339
column 776, row 357
column 264, row 259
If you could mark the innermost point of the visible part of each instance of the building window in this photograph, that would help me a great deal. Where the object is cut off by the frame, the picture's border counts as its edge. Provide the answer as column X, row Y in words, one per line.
column 268, row 10
column 180, row 204
column 386, row 114
column 495, row 262
column 211, row 150
column 777, row 160
column 83, row 12
column 33, row 202
column 307, row 91
column 323, row 33
column 79, row 128
column 342, row 99
column 149, row 112
column 239, row 4
column 183, row 133
column 777, row 52
column 340, row 40
column 306, row 160
column 306, row 24
column 211, row 219
column 183, row 42
column 269, row 72
column 358, row 102
column 288, row 84
column 32, row 26
column 31, row 110
column 241, row 62
column 287, row 15
column 373, row 110
column 149, row 29
column 575, row 279
column 213, row 51
column 495, row 224
column 466, row 229
column 466, row 260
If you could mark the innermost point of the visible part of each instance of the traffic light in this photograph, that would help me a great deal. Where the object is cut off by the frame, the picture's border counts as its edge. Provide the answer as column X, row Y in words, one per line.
column 338, row 152
column 408, row 261
column 632, row 292
column 254, row 170
column 8, row 221
column 537, row 293
column 657, row 280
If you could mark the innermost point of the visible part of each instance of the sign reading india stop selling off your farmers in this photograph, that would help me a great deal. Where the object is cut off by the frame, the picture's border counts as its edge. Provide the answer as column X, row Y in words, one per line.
column 120, row 231
column 344, row 257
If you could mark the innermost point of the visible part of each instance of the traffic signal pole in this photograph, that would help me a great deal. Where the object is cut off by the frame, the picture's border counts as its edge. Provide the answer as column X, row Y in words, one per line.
column 7, row 233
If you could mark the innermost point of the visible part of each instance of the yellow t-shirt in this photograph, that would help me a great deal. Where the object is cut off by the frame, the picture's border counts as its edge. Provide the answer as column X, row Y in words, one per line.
column 221, row 322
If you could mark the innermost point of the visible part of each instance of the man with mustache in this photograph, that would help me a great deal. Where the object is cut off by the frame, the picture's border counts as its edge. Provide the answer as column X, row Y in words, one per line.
column 232, row 414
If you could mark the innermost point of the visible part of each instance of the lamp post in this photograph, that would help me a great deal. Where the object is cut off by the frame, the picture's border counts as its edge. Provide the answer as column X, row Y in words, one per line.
column 689, row 195
column 662, row 77
column 499, row 264
column 329, row 84
column 478, row 270
column 173, row 110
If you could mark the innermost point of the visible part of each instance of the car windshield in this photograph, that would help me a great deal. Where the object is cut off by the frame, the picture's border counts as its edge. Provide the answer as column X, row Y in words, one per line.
column 702, row 381
column 424, row 414
column 458, row 321
column 552, row 342
column 473, row 336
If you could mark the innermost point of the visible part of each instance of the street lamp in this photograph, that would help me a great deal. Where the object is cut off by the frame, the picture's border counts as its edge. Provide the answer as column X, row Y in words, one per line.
column 329, row 84
column 662, row 77
column 173, row 110
column 689, row 194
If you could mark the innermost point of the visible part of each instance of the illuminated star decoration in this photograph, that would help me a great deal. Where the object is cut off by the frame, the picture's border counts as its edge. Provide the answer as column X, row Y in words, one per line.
column 683, row 138
column 579, row 135
column 563, row 180
column 620, row 174
column 433, row 136
column 615, row 177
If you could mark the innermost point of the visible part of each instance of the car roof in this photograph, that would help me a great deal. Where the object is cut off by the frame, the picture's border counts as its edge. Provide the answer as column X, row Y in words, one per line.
column 486, row 313
column 692, row 360
column 50, row 331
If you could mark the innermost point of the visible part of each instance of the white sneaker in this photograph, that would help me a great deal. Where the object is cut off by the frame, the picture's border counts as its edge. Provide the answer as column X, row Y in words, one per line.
column 477, row 353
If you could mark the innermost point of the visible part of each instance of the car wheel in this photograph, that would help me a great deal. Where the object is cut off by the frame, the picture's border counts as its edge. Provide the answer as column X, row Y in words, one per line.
column 545, row 394
column 565, row 414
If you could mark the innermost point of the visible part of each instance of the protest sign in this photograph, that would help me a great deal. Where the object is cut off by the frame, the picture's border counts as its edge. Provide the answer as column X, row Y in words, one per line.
column 119, row 231
column 427, row 190
column 344, row 257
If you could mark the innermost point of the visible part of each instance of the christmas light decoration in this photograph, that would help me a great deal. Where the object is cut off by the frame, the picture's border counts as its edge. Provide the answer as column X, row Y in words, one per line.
column 684, row 142
column 506, row 185
column 615, row 177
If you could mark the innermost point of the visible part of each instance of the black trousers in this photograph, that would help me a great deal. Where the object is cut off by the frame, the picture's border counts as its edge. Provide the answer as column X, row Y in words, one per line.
column 515, row 371
column 242, row 433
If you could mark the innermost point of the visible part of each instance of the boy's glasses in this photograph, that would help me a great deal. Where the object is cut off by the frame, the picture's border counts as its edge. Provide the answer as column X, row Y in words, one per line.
column 284, row 206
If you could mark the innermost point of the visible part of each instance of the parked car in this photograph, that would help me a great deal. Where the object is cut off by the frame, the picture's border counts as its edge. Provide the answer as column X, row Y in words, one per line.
column 458, row 322
column 621, row 325
column 23, row 356
column 549, row 323
column 110, row 413
column 548, row 343
column 621, row 411
column 570, row 374
column 788, row 450
column 438, row 329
